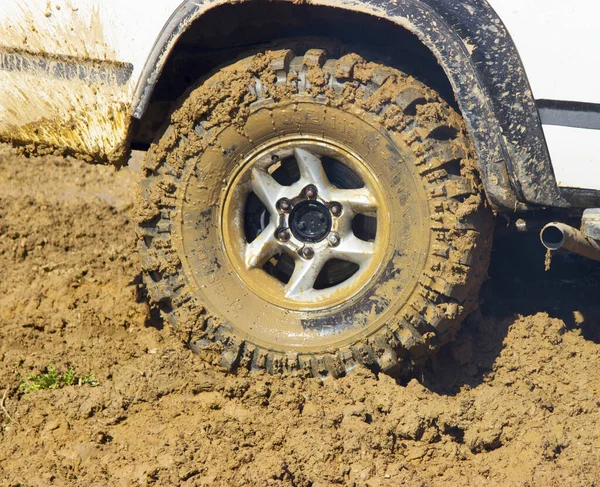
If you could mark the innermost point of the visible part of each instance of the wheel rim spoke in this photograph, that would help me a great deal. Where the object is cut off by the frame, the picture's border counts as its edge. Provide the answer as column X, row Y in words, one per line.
column 304, row 276
column 353, row 249
column 262, row 248
column 311, row 169
column 357, row 201
column 266, row 188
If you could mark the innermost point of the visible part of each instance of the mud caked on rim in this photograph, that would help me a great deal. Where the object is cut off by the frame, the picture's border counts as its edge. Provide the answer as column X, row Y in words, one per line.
column 333, row 218
column 295, row 238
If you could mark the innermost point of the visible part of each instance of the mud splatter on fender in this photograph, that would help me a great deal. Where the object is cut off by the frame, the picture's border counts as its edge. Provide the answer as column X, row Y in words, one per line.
column 60, row 88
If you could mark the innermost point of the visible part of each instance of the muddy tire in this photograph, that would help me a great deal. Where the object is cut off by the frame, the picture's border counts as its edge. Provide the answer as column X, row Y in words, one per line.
column 308, row 213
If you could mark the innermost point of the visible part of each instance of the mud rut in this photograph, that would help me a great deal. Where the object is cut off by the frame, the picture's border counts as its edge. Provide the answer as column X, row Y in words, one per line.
column 515, row 401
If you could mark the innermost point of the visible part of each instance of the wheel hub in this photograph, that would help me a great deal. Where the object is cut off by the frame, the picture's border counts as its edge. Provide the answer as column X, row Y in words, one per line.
column 310, row 221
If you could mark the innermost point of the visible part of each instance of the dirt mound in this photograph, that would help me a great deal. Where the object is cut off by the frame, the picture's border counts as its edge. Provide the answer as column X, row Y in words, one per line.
column 515, row 401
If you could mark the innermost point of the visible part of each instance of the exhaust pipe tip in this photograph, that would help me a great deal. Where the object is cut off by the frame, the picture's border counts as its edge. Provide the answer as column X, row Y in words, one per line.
column 553, row 236
column 556, row 236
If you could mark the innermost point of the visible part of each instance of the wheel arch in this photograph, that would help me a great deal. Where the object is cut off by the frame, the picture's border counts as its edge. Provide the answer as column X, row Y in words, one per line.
column 468, row 40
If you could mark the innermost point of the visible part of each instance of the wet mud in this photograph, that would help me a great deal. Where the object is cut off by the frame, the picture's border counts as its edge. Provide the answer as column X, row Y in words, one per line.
column 514, row 401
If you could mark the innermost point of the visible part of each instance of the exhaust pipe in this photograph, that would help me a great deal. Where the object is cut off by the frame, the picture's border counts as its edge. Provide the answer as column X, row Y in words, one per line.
column 556, row 236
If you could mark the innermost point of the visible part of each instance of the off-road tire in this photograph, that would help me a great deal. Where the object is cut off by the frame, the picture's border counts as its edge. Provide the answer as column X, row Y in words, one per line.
column 215, row 117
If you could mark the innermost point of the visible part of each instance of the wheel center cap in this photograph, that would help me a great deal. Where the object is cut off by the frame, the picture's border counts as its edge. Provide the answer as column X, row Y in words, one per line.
column 310, row 221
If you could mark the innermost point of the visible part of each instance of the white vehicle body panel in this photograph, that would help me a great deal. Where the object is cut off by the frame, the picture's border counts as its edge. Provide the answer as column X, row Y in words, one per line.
column 557, row 41
column 575, row 165
column 575, row 157
column 116, row 30
column 108, row 30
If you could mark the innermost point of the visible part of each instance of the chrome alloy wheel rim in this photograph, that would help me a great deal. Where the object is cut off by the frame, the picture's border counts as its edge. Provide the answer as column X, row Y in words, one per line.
column 305, row 223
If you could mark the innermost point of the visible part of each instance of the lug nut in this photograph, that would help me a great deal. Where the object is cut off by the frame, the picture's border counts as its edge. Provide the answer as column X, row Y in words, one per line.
column 284, row 205
column 283, row 235
column 308, row 253
column 310, row 191
column 336, row 209
column 334, row 239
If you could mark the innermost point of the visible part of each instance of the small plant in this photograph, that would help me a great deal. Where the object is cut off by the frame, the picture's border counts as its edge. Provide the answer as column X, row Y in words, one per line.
column 51, row 379
column 89, row 380
column 68, row 377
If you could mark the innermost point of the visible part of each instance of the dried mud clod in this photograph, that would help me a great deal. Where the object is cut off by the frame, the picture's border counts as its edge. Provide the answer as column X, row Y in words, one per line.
column 461, row 226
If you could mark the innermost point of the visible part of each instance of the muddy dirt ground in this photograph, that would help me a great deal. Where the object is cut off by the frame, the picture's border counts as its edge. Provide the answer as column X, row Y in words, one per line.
column 515, row 401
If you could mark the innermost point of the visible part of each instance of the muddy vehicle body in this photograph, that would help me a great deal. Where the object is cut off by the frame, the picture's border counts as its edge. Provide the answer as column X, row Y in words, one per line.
column 321, row 176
